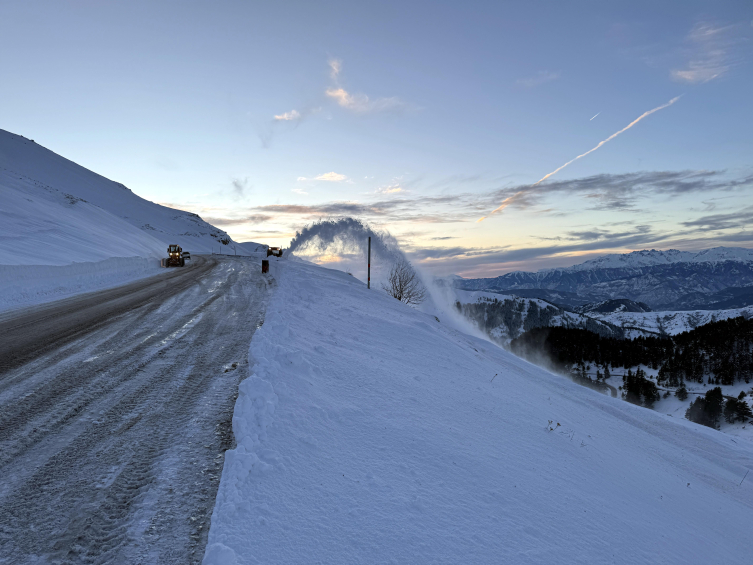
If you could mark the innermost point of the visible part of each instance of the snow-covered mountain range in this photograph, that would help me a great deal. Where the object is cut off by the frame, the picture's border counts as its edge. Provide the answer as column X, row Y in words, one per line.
column 504, row 317
column 653, row 257
column 664, row 280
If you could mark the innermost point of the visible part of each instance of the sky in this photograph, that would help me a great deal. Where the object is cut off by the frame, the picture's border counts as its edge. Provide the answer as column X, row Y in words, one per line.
column 419, row 118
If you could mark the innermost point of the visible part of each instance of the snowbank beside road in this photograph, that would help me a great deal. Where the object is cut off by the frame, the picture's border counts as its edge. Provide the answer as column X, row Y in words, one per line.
column 28, row 285
column 369, row 432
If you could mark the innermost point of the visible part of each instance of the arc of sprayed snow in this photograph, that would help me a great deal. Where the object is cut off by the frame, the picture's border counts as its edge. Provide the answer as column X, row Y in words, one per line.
column 509, row 200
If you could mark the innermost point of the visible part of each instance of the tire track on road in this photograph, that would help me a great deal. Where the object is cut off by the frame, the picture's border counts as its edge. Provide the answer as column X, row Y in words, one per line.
column 118, row 459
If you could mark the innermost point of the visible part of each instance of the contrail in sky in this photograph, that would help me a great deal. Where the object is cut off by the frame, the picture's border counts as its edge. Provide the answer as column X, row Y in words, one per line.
column 507, row 201
column 594, row 117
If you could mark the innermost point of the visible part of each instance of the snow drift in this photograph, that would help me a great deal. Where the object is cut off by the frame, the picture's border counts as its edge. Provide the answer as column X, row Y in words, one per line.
column 371, row 432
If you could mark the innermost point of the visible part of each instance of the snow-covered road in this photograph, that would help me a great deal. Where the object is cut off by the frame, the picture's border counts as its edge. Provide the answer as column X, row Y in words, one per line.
column 112, row 433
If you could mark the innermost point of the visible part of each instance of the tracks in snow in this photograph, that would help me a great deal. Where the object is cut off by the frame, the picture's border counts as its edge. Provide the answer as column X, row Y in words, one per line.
column 111, row 442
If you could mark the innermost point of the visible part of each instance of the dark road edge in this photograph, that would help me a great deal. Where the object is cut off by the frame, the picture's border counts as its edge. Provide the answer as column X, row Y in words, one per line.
column 28, row 333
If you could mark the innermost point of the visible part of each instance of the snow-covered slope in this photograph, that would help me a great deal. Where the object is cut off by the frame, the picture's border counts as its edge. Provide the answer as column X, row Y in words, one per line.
column 504, row 317
column 617, row 305
column 40, row 225
column 670, row 323
column 371, row 433
column 253, row 247
column 66, row 230
column 37, row 170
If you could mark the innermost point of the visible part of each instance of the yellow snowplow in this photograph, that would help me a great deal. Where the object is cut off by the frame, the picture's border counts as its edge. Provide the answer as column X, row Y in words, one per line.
column 174, row 257
column 274, row 251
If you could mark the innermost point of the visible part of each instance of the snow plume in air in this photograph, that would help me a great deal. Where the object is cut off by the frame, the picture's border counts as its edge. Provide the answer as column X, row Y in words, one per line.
column 344, row 242
column 510, row 200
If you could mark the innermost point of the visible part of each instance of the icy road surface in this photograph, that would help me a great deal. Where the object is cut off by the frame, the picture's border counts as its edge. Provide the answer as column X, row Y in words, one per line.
column 115, row 412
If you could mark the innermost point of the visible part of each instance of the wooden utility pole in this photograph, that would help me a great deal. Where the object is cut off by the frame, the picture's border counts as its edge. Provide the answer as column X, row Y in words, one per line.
column 368, row 267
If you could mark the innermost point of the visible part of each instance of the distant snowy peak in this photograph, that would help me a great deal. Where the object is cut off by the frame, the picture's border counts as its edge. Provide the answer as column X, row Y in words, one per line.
column 652, row 257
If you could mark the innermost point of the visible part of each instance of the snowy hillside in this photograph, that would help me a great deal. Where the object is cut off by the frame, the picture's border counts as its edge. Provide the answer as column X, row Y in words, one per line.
column 370, row 432
column 36, row 171
column 41, row 225
column 670, row 323
column 618, row 305
column 253, row 247
column 504, row 317
column 66, row 230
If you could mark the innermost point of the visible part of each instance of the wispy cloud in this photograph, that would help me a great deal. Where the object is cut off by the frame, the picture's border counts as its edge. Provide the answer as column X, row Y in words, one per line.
column 621, row 192
column 709, row 53
column 390, row 189
column 299, row 191
column 740, row 219
column 541, row 77
column 361, row 103
column 329, row 177
column 511, row 199
column 335, row 66
column 240, row 187
column 293, row 115
column 249, row 219
column 358, row 103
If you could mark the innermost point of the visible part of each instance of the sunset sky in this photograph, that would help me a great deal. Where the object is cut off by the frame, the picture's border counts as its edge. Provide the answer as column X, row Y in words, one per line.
column 417, row 117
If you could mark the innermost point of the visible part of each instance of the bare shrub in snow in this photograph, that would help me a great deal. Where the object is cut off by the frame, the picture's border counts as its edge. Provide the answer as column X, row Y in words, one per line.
column 404, row 284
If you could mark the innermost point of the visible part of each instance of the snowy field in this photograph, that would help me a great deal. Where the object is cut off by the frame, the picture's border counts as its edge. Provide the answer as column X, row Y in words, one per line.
column 670, row 323
column 370, row 432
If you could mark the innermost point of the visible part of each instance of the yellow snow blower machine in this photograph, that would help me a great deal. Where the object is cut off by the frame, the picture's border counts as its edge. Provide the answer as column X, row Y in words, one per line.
column 174, row 257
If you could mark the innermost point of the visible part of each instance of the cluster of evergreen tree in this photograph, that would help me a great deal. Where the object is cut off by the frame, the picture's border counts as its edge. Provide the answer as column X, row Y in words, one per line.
column 719, row 352
column 568, row 346
column 636, row 388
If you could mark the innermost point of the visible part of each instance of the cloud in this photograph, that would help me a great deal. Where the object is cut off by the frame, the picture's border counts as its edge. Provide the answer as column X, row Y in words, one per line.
column 390, row 189
column 250, row 219
column 335, row 66
column 716, row 222
column 361, row 103
column 539, row 78
column 299, row 190
column 358, row 103
column 331, row 177
column 510, row 200
column 708, row 52
column 240, row 186
column 293, row 115
column 622, row 192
